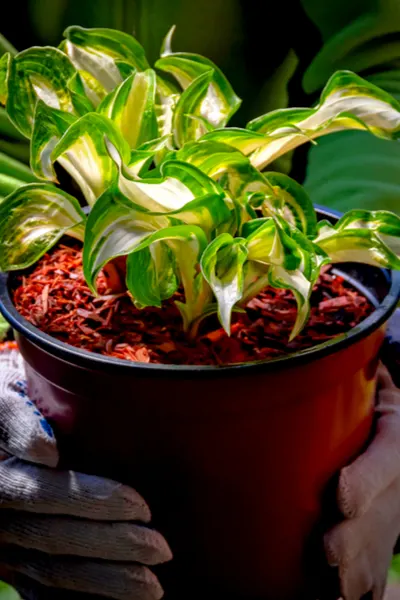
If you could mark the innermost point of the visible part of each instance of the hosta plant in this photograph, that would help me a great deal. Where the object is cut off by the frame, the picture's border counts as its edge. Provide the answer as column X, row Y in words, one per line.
column 187, row 200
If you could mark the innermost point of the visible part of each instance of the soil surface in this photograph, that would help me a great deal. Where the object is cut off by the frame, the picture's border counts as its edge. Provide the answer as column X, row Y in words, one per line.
column 54, row 297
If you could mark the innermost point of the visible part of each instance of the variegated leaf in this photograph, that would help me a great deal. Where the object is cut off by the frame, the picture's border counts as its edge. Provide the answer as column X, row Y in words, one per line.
column 40, row 73
column 347, row 102
column 222, row 265
column 221, row 102
column 132, row 108
column 83, row 152
column 49, row 126
column 32, row 220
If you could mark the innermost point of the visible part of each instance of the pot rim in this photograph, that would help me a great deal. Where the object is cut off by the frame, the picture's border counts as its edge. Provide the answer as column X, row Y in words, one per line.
column 86, row 359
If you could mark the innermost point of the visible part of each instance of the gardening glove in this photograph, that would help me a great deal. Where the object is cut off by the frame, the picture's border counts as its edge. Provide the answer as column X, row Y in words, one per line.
column 362, row 545
column 65, row 529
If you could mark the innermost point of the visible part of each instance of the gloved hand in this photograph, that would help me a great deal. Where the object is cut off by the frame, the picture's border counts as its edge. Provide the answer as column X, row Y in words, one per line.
column 362, row 545
column 65, row 529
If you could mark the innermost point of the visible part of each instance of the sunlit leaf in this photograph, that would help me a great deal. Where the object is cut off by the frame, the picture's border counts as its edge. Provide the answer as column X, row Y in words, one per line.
column 39, row 73
column 187, row 242
column 357, row 245
column 221, row 102
column 49, row 126
column 132, row 108
column 347, row 102
column 167, row 97
column 32, row 220
column 100, row 53
column 186, row 128
column 290, row 201
column 115, row 226
column 5, row 62
column 220, row 160
column 384, row 224
column 142, row 157
column 151, row 275
column 179, row 184
column 222, row 266
column 83, row 152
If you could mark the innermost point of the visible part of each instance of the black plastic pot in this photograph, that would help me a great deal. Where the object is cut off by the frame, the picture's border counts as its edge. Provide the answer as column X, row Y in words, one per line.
column 234, row 461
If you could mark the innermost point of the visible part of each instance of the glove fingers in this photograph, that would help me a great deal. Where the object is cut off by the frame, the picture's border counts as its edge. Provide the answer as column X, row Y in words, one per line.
column 373, row 471
column 24, row 432
column 120, row 581
column 94, row 539
column 346, row 540
column 37, row 489
column 356, row 581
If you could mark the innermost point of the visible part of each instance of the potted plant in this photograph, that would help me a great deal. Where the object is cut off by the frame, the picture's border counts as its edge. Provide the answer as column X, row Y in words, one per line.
column 231, row 432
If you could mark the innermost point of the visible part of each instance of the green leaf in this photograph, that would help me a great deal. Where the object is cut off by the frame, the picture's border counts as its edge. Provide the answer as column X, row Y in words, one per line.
column 38, row 73
column 186, row 128
column 5, row 62
column 142, row 157
column 151, row 275
column 347, row 102
column 221, row 102
column 290, row 201
column 8, row 184
column 132, row 108
column 357, row 245
column 114, row 228
column 294, row 262
column 270, row 244
column 100, row 53
column 384, row 224
column 218, row 160
column 179, row 184
column 78, row 90
column 15, row 168
column 167, row 97
column 4, row 328
column 49, row 126
column 300, row 286
column 7, row 592
column 83, row 152
column 208, row 212
column 244, row 140
column 32, row 220
column 187, row 243
column 222, row 266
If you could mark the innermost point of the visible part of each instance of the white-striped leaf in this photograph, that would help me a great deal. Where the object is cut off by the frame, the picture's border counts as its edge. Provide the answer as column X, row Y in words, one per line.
column 32, row 220
column 179, row 184
column 40, row 73
column 101, row 53
column 221, row 102
column 151, row 275
column 49, row 126
column 347, row 102
column 187, row 242
column 221, row 161
column 222, row 265
column 132, row 108
column 290, row 201
column 115, row 226
column 357, row 245
column 185, row 127
column 83, row 152
column 167, row 97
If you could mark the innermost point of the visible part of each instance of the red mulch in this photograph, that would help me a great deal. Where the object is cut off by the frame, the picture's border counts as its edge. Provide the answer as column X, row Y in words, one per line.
column 55, row 298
